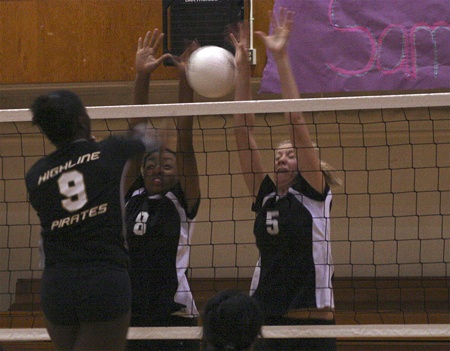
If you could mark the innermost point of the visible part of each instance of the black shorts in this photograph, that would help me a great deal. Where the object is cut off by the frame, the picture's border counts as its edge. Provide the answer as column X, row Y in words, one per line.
column 95, row 292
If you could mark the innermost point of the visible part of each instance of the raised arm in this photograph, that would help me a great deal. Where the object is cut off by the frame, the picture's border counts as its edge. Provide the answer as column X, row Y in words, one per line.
column 186, row 160
column 249, row 155
column 276, row 43
column 145, row 63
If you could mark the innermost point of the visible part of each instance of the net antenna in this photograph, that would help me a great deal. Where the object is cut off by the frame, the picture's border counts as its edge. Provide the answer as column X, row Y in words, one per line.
column 252, row 49
column 207, row 21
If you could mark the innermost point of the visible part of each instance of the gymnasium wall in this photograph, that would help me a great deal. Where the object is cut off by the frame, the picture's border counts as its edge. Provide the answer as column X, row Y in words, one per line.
column 89, row 46
column 73, row 41
column 389, row 218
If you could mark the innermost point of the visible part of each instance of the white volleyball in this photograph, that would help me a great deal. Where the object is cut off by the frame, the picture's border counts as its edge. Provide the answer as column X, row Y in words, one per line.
column 210, row 71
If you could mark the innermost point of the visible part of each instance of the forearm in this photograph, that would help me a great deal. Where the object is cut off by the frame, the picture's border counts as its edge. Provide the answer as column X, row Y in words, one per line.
column 243, row 92
column 242, row 89
column 186, row 160
column 289, row 90
column 141, row 88
column 184, row 124
column 185, row 92
column 289, row 87
column 188, row 172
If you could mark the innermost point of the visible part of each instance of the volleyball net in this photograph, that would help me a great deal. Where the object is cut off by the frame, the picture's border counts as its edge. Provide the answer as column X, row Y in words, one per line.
column 390, row 221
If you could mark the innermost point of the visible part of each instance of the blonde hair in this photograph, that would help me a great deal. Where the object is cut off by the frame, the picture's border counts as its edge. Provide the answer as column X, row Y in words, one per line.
column 328, row 171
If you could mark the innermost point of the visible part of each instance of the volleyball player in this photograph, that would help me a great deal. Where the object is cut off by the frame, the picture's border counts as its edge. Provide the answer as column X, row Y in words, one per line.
column 292, row 282
column 75, row 190
column 160, row 216
column 232, row 321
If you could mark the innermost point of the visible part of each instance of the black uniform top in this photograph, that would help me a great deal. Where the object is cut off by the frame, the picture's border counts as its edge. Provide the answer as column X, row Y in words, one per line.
column 76, row 193
column 293, row 237
column 158, row 234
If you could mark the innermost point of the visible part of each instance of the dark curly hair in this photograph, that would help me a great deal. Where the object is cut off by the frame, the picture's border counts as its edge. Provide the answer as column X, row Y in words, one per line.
column 58, row 115
column 232, row 320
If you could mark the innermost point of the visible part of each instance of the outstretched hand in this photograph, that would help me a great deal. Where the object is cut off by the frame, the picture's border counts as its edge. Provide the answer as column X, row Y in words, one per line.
column 182, row 60
column 240, row 42
column 146, row 60
column 276, row 42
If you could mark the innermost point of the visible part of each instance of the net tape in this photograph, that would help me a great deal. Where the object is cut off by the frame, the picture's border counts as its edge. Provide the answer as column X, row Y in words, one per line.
column 384, row 331
column 253, row 106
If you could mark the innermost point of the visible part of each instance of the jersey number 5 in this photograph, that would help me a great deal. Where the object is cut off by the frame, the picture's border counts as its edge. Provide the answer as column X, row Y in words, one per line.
column 272, row 222
column 71, row 185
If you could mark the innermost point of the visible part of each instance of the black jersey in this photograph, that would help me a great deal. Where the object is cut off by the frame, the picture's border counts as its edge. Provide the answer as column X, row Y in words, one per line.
column 158, row 233
column 293, row 237
column 76, row 193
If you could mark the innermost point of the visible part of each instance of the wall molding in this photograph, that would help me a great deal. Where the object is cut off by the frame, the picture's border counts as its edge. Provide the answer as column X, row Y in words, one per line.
column 18, row 96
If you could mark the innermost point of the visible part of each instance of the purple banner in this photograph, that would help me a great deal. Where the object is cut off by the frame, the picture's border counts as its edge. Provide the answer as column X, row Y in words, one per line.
column 366, row 45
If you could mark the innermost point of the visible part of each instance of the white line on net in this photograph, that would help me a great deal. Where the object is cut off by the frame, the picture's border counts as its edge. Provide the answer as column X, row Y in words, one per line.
column 255, row 106
column 381, row 331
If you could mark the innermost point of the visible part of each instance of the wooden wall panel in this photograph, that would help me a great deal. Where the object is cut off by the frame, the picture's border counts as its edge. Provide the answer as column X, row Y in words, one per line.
column 60, row 38
column 74, row 41
column 18, row 41
column 111, row 30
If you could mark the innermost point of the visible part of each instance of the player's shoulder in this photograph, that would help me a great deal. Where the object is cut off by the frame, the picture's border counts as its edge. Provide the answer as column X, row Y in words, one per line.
column 41, row 166
column 267, row 187
column 121, row 145
column 138, row 196
column 36, row 168
column 113, row 141
column 302, row 186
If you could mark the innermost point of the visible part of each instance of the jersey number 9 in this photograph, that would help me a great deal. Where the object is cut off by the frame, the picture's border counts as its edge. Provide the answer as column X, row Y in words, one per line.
column 71, row 185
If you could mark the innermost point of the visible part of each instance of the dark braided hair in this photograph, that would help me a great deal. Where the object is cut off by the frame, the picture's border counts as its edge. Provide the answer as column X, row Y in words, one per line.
column 58, row 115
column 232, row 321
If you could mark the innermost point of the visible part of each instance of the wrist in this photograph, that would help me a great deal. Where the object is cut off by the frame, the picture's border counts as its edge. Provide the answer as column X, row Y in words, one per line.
column 243, row 70
column 142, row 74
column 279, row 56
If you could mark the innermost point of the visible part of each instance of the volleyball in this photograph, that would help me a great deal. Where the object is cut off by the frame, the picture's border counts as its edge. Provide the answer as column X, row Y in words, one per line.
column 210, row 71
